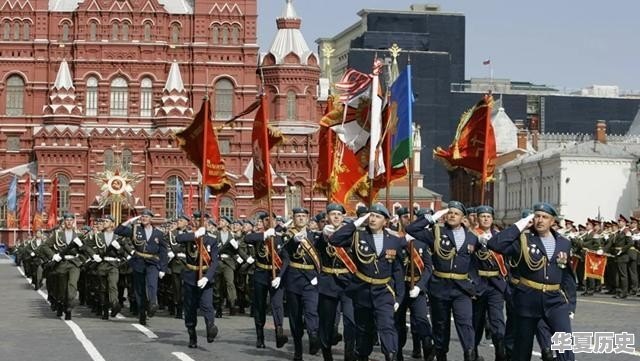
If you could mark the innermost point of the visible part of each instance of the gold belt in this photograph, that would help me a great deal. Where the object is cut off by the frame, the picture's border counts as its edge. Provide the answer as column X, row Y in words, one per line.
column 197, row 268
column 539, row 286
column 147, row 255
column 373, row 281
column 515, row 281
column 489, row 273
column 302, row 266
column 451, row 276
column 335, row 271
column 415, row 278
column 264, row 266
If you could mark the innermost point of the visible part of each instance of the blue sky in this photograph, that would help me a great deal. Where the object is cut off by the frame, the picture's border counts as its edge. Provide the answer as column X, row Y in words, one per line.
column 567, row 44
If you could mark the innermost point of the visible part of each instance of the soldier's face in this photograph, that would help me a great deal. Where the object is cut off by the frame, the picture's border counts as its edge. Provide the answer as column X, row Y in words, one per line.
column 376, row 221
column 68, row 223
column 107, row 225
column 300, row 220
column 634, row 224
column 405, row 220
column 182, row 223
column 454, row 217
column 335, row 218
column 223, row 223
column 145, row 220
column 485, row 220
column 542, row 222
column 622, row 223
column 247, row 227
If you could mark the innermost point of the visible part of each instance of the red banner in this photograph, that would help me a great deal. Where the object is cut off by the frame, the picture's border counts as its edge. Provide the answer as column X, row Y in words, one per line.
column 25, row 205
column 52, row 216
column 38, row 222
column 594, row 265
column 200, row 143
column 391, row 173
column 474, row 146
column 263, row 139
column 326, row 147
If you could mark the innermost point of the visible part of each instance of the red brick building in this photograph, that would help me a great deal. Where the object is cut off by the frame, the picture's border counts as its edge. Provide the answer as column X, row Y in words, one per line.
column 84, row 83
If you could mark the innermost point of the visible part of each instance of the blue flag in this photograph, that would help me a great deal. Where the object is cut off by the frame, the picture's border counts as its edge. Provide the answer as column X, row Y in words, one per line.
column 41, row 195
column 179, row 198
column 402, row 100
column 12, row 200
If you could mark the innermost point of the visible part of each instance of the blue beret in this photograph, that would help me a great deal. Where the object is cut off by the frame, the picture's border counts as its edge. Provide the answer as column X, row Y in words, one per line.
column 227, row 218
column 247, row 221
column 279, row 219
column 86, row 228
column 458, row 205
column 422, row 211
column 361, row 211
column 197, row 214
column 68, row 216
column 320, row 217
column 335, row 207
column 185, row 217
column 526, row 212
column 108, row 218
column 237, row 221
column 147, row 212
column 545, row 207
column 298, row 210
column 380, row 209
column 402, row 211
column 263, row 215
column 484, row 209
column 472, row 210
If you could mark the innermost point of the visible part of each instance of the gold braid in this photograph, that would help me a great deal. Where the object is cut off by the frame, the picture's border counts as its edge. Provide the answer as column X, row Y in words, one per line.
column 445, row 255
column 524, row 253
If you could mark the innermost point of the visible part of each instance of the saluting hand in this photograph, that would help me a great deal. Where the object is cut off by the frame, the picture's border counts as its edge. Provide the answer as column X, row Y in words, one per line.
column 269, row 233
column 358, row 222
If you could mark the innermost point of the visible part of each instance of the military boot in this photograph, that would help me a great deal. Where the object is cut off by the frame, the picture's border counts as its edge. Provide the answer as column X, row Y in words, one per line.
column 260, row 338
column 212, row 331
column 193, row 337
column 281, row 339
column 427, row 349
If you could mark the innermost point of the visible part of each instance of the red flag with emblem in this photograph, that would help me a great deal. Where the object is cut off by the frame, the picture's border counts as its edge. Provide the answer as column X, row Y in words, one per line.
column 594, row 265
column 25, row 205
column 52, row 216
column 263, row 138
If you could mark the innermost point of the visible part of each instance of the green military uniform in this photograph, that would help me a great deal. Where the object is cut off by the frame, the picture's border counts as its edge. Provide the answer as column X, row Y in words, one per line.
column 230, row 254
column 619, row 245
column 244, row 275
column 33, row 261
column 177, row 264
column 590, row 242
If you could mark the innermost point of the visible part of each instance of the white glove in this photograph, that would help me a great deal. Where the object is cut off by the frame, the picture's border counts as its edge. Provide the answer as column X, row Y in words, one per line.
column 300, row 236
column 314, row 281
column 115, row 244
column 396, row 306
column 77, row 241
column 276, row 282
column 200, row 232
column 358, row 222
column 202, row 283
column 619, row 252
column 286, row 225
column 250, row 260
column 408, row 237
column 239, row 260
column 415, row 291
column 328, row 230
column 56, row 257
column 170, row 254
column 269, row 233
column 160, row 274
column 234, row 243
column 131, row 220
column 128, row 258
column 599, row 252
column 524, row 222
column 434, row 218
column 571, row 315
column 32, row 254
column 97, row 258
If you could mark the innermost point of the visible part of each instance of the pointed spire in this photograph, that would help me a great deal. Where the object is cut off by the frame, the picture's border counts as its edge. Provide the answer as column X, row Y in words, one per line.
column 289, row 38
column 289, row 12
column 174, row 80
column 63, row 79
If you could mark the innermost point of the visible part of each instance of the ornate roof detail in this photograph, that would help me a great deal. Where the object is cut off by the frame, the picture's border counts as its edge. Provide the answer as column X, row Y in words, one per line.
column 175, row 103
column 62, row 96
column 289, row 39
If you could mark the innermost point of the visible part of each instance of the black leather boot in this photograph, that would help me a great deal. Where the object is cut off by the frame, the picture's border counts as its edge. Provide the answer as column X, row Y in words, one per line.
column 501, row 354
column 337, row 337
column 142, row 319
column 105, row 312
column 441, row 355
column 314, row 343
column 363, row 358
column 281, row 339
column 153, row 308
column 193, row 337
column 212, row 331
column 179, row 311
column 297, row 349
column 260, row 338
column 350, row 351
column 219, row 313
column 548, row 355
column 417, row 347
column 115, row 308
column 59, row 310
column 391, row 356
column 327, row 355
column 427, row 349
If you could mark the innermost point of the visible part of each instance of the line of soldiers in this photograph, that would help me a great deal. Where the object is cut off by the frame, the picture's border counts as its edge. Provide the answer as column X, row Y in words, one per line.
column 366, row 272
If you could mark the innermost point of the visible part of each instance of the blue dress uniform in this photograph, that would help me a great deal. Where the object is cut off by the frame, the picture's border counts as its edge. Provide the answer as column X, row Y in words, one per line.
column 546, row 288
column 195, row 297
column 333, row 283
column 378, row 284
column 148, row 258
column 451, row 288
column 300, row 270
column 262, row 278
column 416, row 252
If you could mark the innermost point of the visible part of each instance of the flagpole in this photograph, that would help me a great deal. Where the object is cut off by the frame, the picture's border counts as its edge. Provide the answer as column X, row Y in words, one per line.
column 200, row 241
column 485, row 154
column 29, row 205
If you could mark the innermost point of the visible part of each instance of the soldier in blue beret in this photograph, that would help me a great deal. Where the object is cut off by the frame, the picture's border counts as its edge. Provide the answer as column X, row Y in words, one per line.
column 546, row 288
column 378, row 281
column 451, row 290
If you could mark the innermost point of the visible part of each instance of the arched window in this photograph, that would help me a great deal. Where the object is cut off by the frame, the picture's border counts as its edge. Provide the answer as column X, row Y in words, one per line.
column 235, row 34
column 15, row 95
column 125, row 31
column 292, row 108
column 6, row 31
column 171, row 188
column 65, row 32
column 175, row 33
column 16, row 31
column 147, row 31
column 226, row 207
column 26, row 31
column 114, row 31
column 91, row 107
column 93, row 30
column 63, row 195
column 108, row 159
column 225, row 35
column 294, row 196
column 215, row 34
column 146, row 97
column 224, row 99
column 127, row 159
column 119, row 97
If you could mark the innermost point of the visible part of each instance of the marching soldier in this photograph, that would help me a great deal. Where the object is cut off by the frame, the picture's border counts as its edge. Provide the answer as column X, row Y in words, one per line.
column 201, row 262
column 33, row 261
column 546, row 288
column 148, row 261
column 379, row 282
column 245, row 272
column 230, row 258
column 490, row 283
column 618, row 245
column 177, row 260
column 591, row 241
column 266, row 280
column 337, row 268
column 301, row 267
column 453, row 246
